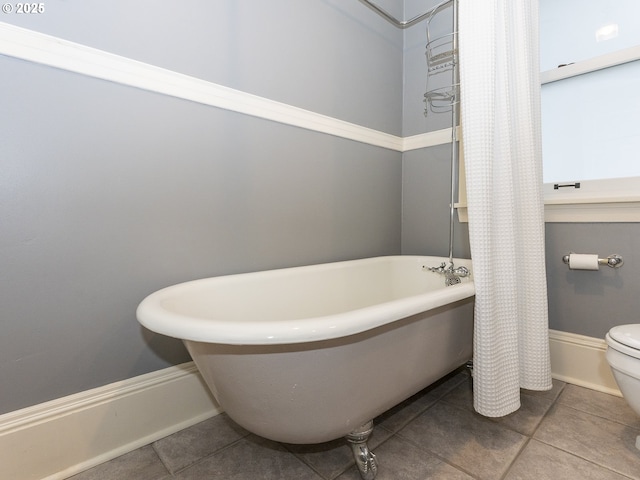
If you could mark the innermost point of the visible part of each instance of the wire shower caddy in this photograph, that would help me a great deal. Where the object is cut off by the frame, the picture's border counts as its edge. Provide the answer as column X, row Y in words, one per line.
column 442, row 67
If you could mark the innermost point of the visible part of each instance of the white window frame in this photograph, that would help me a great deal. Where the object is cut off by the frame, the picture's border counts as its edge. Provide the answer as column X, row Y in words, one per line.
column 610, row 200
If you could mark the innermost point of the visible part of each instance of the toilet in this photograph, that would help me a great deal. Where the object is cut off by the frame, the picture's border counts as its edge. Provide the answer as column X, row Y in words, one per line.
column 623, row 356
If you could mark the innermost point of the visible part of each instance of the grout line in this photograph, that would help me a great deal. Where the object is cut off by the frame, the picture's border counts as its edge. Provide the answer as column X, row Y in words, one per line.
column 530, row 437
column 432, row 453
column 202, row 459
column 557, row 403
column 166, row 467
column 301, row 459
column 593, row 414
column 515, row 459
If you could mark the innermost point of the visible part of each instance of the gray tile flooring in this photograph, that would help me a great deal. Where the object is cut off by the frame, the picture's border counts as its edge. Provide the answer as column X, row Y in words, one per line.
column 567, row 433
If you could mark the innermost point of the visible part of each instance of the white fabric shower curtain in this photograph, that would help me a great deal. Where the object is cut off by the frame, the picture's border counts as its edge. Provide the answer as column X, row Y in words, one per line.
column 500, row 111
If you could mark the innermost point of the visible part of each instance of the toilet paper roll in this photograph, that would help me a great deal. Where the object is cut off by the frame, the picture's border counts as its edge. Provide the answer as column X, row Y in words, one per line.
column 581, row 261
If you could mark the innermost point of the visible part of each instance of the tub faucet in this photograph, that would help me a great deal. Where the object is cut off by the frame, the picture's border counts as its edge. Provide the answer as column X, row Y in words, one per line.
column 452, row 275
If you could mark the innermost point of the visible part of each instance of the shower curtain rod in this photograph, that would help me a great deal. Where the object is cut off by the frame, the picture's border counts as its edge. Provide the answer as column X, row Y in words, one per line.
column 404, row 23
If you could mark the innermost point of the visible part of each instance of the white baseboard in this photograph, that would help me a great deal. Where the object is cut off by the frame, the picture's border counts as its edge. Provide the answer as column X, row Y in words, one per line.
column 60, row 438
column 581, row 360
column 57, row 439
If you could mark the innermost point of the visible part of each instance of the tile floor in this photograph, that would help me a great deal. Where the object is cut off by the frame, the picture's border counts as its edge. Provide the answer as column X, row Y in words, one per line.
column 567, row 433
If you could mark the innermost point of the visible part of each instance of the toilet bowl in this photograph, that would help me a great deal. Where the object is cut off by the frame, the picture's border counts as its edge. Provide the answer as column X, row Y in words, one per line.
column 623, row 355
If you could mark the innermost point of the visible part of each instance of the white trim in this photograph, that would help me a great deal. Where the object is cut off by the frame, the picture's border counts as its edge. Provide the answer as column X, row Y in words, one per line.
column 581, row 360
column 583, row 211
column 593, row 202
column 604, row 200
column 55, row 52
column 591, row 65
column 60, row 438
column 593, row 211
column 424, row 140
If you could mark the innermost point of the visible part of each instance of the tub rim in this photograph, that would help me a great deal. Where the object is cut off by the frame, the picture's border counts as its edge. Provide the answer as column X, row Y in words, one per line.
column 153, row 316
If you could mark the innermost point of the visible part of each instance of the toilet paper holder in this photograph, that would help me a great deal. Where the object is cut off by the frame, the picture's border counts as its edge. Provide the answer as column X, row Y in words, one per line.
column 613, row 261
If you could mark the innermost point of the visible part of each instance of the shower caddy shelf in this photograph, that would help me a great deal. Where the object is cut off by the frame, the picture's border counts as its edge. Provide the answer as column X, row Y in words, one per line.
column 442, row 61
column 442, row 57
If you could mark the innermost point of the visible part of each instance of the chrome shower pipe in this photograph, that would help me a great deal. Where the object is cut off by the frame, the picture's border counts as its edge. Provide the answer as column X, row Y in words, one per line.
column 455, row 108
column 455, row 118
column 404, row 23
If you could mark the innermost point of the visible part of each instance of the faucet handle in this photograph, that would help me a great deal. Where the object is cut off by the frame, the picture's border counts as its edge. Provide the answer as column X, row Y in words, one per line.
column 462, row 271
column 440, row 269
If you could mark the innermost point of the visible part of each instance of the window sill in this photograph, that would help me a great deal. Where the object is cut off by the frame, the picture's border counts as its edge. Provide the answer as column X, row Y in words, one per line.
column 585, row 210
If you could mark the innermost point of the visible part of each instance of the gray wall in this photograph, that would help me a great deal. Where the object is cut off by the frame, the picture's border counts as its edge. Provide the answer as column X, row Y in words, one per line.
column 582, row 302
column 108, row 193
column 426, row 195
column 330, row 56
column 426, row 172
column 588, row 302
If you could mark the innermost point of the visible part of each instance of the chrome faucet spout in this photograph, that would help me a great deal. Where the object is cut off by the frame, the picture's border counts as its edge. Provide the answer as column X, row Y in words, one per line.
column 452, row 274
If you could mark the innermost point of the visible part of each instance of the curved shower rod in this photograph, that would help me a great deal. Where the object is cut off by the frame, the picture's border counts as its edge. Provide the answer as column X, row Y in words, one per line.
column 404, row 23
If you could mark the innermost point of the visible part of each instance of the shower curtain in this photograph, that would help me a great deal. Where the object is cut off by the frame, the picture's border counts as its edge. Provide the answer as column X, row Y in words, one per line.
column 500, row 111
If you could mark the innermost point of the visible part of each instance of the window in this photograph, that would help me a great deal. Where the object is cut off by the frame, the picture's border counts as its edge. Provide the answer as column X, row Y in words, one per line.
column 590, row 61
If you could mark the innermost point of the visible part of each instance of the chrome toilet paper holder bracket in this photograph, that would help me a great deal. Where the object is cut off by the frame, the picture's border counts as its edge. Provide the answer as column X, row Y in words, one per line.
column 613, row 260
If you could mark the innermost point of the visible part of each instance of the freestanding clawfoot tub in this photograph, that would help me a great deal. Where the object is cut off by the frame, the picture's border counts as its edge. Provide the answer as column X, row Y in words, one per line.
column 310, row 354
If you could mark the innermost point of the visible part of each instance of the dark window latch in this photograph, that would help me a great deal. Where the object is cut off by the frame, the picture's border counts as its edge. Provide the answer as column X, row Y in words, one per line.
column 556, row 186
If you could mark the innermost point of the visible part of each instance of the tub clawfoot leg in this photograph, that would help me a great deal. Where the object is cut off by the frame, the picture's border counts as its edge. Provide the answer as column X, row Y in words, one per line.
column 365, row 459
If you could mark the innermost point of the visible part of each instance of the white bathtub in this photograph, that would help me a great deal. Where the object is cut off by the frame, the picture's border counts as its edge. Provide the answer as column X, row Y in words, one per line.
column 309, row 354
